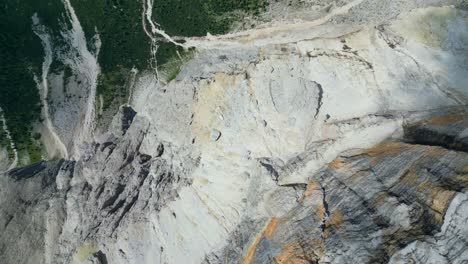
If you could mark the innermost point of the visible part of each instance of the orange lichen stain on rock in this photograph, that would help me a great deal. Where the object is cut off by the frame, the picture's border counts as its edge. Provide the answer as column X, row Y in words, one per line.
column 440, row 203
column 337, row 163
column 387, row 147
column 271, row 227
column 440, row 120
column 311, row 188
column 434, row 151
column 437, row 198
column 441, row 200
column 291, row 253
column 317, row 243
column 335, row 220
column 320, row 211
column 286, row 254
column 249, row 255
column 413, row 177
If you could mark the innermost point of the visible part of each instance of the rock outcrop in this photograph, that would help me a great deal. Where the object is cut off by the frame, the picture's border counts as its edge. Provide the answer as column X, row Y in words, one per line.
column 395, row 202
column 340, row 139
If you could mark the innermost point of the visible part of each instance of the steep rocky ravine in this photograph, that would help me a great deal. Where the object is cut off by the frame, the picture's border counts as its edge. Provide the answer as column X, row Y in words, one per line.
column 340, row 137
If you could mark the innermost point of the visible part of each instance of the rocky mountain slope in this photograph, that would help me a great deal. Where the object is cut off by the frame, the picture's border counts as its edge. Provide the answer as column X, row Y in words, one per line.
column 330, row 132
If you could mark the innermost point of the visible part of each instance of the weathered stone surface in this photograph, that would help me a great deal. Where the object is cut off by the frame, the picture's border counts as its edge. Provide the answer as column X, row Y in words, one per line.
column 340, row 141
column 366, row 206
column 446, row 131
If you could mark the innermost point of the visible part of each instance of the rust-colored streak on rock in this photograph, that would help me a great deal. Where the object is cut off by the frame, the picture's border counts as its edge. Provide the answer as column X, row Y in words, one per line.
column 317, row 243
column 291, row 254
column 286, row 254
column 437, row 198
column 320, row 211
column 434, row 152
column 311, row 188
column 271, row 227
column 335, row 219
column 441, row 120
column 337, row 163
column 387, row 148
column 251, row 249
column 441, row 200
column 409, row 178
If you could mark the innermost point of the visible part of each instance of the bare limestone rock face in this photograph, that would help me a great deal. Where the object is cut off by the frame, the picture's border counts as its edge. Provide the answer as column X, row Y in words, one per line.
column 337, row 138
column 394, row 201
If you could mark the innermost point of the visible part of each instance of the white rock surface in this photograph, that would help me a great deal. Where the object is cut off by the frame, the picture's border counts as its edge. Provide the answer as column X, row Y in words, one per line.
column 244, row 127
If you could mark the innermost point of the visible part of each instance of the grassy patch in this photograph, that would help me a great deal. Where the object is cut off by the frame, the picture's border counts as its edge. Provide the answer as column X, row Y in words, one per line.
column 112, row 86
column 171, row 68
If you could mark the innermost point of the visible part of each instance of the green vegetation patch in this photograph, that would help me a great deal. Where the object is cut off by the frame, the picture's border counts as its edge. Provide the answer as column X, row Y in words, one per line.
column 463, row 4
column 124, row 46
column 21, row 57
column 118, row 22
column 198, row 17
column 172, row 63
column 124, row 43
column 112, row 86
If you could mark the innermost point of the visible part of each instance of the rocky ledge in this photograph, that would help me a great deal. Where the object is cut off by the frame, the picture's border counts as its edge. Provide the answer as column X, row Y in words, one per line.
column 337, row 138
column 396, row 202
